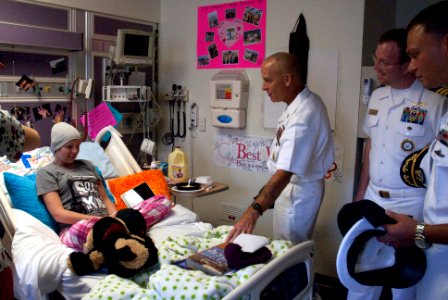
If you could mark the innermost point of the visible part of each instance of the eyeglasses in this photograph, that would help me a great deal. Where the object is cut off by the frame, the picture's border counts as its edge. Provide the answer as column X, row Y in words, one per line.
column 383, row 63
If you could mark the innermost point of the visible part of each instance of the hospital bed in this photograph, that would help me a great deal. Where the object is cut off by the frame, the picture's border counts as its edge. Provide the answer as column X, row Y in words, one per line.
column 40, row 259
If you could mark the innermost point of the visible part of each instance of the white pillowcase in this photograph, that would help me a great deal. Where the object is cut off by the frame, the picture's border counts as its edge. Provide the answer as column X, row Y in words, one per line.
column 93, row 152
column 178, row 215
column 39, row 257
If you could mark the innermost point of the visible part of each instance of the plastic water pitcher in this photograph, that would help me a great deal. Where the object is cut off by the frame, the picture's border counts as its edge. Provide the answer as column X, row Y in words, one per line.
column 178, row 166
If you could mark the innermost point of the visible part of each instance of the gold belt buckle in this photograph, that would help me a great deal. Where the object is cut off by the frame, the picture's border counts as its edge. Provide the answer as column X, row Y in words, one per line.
column 384, row 194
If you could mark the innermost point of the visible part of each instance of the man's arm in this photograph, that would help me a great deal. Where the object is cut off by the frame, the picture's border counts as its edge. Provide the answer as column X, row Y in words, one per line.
column 364, row 178
column 265, row 199
column 402, row 233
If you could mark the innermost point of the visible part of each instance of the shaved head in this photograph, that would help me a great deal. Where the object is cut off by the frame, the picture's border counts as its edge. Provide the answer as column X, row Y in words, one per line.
column 281, row 77
column 285, row 63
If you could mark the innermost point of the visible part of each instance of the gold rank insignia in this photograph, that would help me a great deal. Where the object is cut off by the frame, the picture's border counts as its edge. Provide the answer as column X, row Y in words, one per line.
column 372, row 112
column 410, row 171
column 441, row 90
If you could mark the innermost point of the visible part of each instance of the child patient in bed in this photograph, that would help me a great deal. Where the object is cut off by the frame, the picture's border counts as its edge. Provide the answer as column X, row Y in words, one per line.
column 74, row 194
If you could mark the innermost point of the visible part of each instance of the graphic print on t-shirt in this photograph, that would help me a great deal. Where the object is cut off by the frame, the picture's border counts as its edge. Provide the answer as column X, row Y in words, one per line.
column 86, row 198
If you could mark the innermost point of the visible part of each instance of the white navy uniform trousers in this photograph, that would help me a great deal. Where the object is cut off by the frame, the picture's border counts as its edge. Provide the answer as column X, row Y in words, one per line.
column 434, row 284
column 304, row 146
column 398, row 127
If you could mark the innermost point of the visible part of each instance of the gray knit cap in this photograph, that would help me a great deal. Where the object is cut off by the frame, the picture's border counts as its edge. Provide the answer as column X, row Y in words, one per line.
column 61, row 134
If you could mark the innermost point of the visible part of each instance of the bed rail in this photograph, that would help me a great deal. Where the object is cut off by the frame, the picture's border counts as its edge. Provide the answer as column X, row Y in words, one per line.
column 289, row 276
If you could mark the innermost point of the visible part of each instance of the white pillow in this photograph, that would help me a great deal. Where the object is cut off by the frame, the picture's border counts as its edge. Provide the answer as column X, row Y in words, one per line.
column 178, row 215
column 39, row 257
column 93, row 152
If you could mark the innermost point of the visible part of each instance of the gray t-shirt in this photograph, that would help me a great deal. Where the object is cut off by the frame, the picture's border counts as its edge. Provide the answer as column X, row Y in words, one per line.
column 77, row 187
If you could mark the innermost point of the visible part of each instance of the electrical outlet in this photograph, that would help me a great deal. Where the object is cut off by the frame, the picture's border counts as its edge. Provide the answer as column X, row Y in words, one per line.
column 231, row 213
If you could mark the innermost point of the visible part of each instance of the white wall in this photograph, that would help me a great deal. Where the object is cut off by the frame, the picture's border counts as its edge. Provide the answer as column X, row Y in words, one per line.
column 331, row 24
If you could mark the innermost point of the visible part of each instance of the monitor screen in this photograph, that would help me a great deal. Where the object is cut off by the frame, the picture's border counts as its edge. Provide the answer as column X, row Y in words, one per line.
column 136, row 45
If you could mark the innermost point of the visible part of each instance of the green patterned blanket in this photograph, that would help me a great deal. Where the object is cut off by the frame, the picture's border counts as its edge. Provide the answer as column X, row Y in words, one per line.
column 168, row 281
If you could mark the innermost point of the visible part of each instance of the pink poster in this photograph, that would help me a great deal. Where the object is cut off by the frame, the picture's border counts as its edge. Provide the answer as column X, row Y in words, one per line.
column 231, row 35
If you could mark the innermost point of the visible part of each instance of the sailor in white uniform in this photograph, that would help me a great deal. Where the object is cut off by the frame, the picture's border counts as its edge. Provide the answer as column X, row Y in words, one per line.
column 304, row 147
column 301, row 154
column 402, row 117
column 427, row 44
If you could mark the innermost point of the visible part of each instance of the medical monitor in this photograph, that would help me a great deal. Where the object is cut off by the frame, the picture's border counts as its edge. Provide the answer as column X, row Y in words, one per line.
column 134, row 47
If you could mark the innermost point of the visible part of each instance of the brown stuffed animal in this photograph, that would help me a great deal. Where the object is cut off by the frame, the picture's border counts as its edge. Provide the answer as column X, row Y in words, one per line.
column 119, row 243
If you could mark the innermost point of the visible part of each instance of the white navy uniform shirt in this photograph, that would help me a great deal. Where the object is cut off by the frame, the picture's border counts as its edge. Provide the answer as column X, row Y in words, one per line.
column 304, row 142
column 433, row 284
column 398, row 127
column 436, row 200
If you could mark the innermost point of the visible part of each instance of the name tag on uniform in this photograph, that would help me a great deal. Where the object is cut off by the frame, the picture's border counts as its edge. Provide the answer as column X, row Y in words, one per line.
column 373, row 112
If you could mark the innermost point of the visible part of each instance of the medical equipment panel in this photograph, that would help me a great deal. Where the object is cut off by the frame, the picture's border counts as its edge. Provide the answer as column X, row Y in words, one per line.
column 229, row 89
column 229, row 94
column 134, row 47
column 124, row 93
column 230, row 118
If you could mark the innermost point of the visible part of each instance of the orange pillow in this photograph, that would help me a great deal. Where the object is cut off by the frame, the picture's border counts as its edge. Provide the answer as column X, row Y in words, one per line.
column 154, row 178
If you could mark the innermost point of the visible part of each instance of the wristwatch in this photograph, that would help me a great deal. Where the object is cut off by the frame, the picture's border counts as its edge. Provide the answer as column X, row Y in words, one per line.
column 255, row 205
column 419, row 237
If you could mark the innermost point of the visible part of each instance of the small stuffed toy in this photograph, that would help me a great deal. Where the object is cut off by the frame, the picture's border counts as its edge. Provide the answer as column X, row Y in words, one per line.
column 119, row 243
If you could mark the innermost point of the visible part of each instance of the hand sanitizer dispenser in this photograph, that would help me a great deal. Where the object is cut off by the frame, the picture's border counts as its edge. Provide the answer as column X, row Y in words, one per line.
column 229, row 93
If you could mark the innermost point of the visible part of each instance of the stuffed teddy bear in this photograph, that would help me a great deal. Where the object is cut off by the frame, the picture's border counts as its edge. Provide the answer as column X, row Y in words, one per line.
column 119, row 243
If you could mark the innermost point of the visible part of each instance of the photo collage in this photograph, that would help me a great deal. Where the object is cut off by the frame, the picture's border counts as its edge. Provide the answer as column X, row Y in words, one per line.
column 231, row 35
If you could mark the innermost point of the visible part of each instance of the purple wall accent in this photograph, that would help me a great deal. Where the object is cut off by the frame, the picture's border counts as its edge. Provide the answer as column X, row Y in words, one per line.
column 35, row 15
column 38, row 37
column 109, row 26
column 29, row 63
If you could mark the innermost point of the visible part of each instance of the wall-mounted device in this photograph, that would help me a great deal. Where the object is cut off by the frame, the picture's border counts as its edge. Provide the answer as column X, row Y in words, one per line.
column 134, row 47
column 194, row 115
column 229, row 94
column 125, row 93
column 367, row 90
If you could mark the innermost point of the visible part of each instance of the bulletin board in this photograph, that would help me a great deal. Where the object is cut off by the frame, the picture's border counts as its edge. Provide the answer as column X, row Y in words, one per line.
column 231, row 35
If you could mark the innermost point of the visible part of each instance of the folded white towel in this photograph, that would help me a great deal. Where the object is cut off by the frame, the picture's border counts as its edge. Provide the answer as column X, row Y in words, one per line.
column 250, row 242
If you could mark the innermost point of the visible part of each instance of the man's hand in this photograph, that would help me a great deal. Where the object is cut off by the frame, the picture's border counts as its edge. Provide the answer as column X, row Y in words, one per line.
column 402, row 233
column 245, row 225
